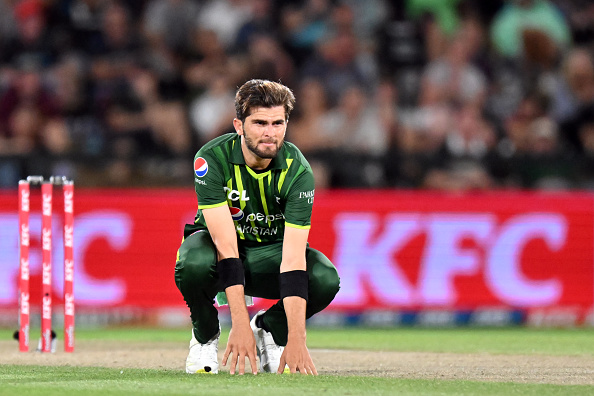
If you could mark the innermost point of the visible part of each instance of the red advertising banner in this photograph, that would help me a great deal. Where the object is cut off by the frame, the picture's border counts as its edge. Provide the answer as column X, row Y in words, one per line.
column 394, row 250
column 428, row 250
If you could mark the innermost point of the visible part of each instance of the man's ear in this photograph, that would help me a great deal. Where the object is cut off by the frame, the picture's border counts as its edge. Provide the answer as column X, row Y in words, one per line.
column 238, row 125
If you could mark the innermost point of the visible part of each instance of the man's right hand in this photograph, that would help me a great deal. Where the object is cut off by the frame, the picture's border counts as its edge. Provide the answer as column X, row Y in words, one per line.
column 241, row 344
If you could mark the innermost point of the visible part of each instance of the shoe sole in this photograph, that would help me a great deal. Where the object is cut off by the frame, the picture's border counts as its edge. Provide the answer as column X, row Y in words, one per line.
column 203, row 371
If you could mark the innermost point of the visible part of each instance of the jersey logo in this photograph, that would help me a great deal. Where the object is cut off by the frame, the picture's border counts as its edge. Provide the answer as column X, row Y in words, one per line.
column 235, row 195
column 200, row 167
column 236, row 213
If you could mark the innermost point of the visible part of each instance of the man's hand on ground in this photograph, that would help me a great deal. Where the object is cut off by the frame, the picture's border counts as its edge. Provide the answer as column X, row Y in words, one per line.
column 241, row 345
column 296, row 356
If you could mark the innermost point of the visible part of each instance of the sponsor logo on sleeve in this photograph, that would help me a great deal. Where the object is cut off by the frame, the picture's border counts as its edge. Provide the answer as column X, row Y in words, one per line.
column 309, row 195
column 200, row 167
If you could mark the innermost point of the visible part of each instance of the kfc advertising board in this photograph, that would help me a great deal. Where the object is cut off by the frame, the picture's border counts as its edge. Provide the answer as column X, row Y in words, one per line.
column 394, row 250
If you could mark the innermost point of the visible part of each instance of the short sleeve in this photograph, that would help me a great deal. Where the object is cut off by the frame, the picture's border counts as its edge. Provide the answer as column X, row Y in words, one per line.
column 300, row 198
column 208, row 181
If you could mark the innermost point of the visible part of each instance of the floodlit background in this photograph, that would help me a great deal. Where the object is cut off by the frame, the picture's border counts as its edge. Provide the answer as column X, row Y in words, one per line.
column 452, row 142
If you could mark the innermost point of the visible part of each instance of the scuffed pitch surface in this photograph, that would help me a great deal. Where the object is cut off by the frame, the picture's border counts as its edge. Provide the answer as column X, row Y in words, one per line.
column 562, row 370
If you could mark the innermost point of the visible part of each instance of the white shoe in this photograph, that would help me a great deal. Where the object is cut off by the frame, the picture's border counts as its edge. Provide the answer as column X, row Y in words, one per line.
column 203, row 358
column 269, row 352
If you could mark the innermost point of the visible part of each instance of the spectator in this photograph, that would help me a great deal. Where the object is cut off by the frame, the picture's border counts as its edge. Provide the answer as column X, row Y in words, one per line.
column 417, row 144
column 580, row 14
column 306, row 130
column 262, row 22
column 8, row 32
column 517, row 127
column 207, row 59
column 435, row 95
column 69, row 82
column 525, row 25
column 115, row 50
column 225, row 18
column 451, row 78
column 579, row 74
column 586, row 135
column 337, row 62
column 77, row 22
column 33, row 40
column 25, row 110
column 128, row 132
column 8, row 23
column 576, row 92
column 470, row 135
column 141, row 123
column 367, row 17
column 303, row 27
column 167, row 27
column 167, row 24
column 423, row 129
column 443, row 12
column 166, row 118
column 116, row 39
column 143, row 126
column 543, row 137
column 545, row 164
column 462, row 161
column 211, row 111
column 586, row 130
column 112, row 59
column 439, row 21
column 355, row 126
column 266, row 59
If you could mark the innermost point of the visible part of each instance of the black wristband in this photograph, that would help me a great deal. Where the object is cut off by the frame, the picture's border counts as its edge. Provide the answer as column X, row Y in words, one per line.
column 231, row 272
column 294, row 283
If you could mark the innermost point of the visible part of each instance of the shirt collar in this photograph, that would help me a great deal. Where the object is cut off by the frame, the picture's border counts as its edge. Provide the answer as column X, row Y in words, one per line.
column 278, row 162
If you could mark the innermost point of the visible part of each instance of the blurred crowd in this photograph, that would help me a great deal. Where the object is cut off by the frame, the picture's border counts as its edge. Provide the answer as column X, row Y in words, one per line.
column 437, row 94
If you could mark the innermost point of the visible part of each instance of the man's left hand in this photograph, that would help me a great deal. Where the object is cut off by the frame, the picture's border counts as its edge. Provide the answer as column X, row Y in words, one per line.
column 296, row 356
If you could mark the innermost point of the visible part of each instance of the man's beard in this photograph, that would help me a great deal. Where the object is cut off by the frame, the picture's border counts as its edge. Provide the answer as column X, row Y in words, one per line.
column 265, row 154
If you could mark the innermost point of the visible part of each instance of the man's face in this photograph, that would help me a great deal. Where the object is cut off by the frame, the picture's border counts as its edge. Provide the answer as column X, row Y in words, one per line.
column 264, row 131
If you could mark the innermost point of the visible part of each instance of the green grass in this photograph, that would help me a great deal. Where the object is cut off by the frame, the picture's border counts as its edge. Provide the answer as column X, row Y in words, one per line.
column 461, row 340
column 515, row 340
column 62, row 381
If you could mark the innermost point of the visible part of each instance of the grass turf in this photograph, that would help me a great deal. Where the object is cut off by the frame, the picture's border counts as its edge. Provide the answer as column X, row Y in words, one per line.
column 60, row 381
column 68, row 380
column 515, row 340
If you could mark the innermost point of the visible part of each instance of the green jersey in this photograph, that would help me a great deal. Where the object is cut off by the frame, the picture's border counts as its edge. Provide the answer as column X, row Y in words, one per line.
column 262, row 203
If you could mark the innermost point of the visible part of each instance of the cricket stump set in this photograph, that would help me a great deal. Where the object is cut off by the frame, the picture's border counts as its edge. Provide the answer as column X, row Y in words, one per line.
column 47, row 335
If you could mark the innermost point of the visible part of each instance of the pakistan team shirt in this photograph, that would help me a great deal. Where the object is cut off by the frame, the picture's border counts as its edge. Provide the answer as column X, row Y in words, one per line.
column 261, row 203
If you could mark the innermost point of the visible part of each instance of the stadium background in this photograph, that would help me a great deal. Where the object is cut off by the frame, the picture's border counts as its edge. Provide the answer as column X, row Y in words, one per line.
column 452, row 143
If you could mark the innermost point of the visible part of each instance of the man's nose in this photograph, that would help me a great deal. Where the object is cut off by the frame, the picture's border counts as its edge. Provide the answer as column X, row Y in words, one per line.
column 269, row 130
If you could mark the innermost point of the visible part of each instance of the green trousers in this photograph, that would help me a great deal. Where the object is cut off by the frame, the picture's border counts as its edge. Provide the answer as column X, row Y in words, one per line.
column 197, row 279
